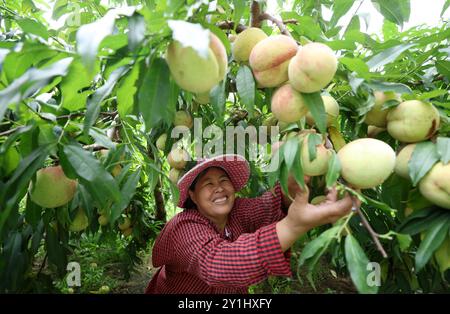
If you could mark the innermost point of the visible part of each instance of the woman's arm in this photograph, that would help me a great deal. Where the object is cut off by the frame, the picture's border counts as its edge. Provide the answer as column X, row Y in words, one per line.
column 303, row 216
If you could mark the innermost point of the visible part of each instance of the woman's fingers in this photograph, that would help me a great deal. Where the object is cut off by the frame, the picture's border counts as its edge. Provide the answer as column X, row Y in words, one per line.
column 332, row 194
column 338, row 208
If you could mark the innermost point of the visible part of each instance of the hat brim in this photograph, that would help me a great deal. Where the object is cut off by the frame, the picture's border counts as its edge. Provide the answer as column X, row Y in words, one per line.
column 235, row 166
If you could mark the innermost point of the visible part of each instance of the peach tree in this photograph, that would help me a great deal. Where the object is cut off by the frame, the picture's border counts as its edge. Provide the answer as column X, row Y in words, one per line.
column 105, row 107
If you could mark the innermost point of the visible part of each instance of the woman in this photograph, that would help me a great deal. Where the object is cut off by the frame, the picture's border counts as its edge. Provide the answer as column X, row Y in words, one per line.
column 224, row 244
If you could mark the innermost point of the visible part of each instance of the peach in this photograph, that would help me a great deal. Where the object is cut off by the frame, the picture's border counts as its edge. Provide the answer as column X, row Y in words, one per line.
column 366, row 162
column 376, row 116
column 312, row 68
column 269, row 60
column 52, row 188
column 435, row 186
column 288, row 105
column 402, row 161
column 192, row 71
column 413, row 121
column 245, row 41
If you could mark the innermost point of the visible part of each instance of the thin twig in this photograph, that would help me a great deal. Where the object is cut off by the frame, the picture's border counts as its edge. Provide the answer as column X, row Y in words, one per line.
column 258, row 17
column 375, row 236
column 279, row 23
column 5, row 133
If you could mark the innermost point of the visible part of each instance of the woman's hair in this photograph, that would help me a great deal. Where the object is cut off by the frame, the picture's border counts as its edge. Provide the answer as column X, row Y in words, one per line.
column 188, row 203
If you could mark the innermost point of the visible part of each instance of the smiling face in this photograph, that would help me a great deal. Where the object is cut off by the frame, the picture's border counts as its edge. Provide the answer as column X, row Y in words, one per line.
column 214, row 195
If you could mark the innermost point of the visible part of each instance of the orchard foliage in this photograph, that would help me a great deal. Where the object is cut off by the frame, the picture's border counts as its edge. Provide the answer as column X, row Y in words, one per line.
column 87, row 112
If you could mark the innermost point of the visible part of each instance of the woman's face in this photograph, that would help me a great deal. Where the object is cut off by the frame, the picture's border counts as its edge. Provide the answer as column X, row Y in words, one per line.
column 214, row 194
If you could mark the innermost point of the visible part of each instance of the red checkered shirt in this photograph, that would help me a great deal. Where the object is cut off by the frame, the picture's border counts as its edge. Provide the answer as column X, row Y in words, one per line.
column 195, row 257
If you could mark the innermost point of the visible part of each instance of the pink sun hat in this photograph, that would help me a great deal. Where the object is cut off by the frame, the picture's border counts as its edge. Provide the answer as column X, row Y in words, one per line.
column 236, row 167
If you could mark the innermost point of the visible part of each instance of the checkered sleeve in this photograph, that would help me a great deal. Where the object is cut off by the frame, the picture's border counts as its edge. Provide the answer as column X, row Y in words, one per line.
column 194, row 246
column 263, row 210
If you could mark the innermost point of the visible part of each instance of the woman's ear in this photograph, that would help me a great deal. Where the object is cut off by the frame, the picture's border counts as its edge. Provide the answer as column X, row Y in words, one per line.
column 192, row 196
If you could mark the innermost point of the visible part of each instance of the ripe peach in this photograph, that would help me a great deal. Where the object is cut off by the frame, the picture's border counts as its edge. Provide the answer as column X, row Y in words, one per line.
column 269, row 60
column 312, row 68
column 52, row 188
column 376, row 116
column 435, row 186
column 245, row 41
column 288, row 104
column 366, row 162
column 413, row 121
column 193, row 72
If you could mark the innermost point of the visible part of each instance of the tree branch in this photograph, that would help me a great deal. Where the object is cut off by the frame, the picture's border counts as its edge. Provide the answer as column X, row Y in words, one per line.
column 279, row 23
column 375, row 236
column 256, row 13
column 258, row 17
column 231, row 25
column 159, row 201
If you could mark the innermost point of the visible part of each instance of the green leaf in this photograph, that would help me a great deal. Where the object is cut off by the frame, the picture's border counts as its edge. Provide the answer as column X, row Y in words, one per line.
column 357, row 265
column 126, row 92
column 433, row 239
column 390, row 30
column 136, row 33
column 284, row 175
column 308, row 27
column 14, row 136
column 404, row 241
column 127, row 191
column 297, row 168
column 445, row 7
column 356, row 65
column 55, row 250
column 432, row 94
column 245, row 85
column 415, row 200
column 89, row 36
column 395, row 11
column 33, row 212
column 443, row 149
column 239, row 8
column 154, row 94
column 424, row 156
column 387, row 56
column 390, row 104
column 31, row 82
column 218, row 100
column 421, row 220
column 33, row 27
column 59, row 9
column 380, row 205
column 387, row 86
column 314, row 249
column 340, row 7
column 101, row 138
column 94, row 101
column 313, row 141
column 443, row 67
column 289, row 150
column 315, row 105
column 99, row 182
column 334, row 170
column 75, row 86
